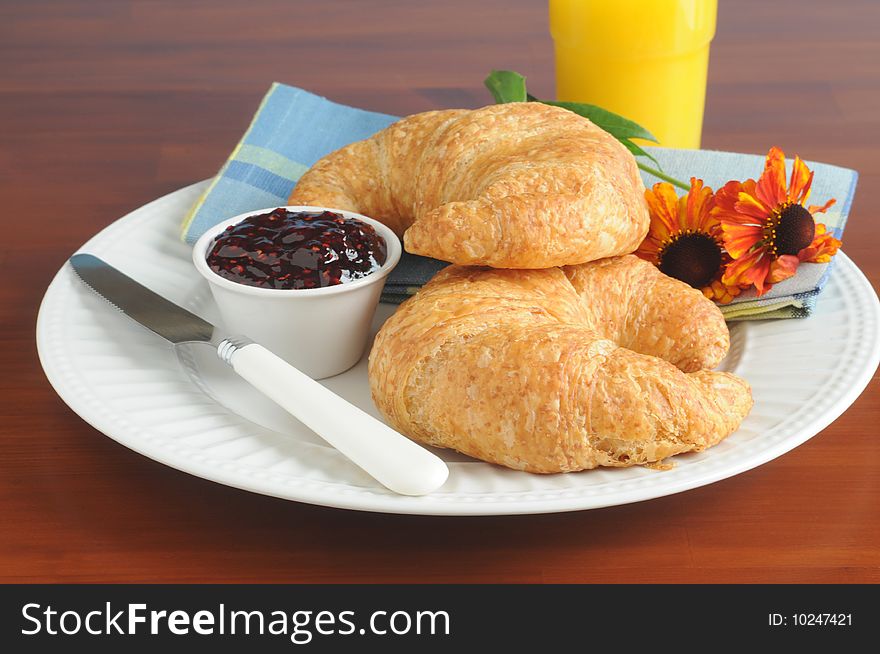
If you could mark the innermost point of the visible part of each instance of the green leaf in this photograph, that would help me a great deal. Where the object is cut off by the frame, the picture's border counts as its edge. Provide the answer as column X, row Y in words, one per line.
column 639, row 152
column 614, row 124
column 506, row 86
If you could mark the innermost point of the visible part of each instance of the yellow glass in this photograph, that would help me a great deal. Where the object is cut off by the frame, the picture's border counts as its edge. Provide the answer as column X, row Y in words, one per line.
column 643, row 59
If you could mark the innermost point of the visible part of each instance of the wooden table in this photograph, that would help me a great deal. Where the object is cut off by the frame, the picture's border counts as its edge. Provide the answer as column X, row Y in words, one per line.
column 107, row 105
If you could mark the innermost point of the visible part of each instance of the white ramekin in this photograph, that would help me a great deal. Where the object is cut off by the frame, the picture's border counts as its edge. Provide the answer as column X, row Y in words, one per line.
column 321, row 331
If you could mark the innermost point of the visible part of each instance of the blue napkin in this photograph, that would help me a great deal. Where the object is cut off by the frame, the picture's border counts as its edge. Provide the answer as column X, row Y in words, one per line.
column 293, row 128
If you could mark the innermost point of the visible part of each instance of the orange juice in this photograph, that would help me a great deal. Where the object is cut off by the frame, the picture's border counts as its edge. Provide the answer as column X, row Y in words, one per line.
column 643, row 59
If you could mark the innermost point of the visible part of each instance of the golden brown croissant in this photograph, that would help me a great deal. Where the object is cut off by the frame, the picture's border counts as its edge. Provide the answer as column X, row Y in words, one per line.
column 521, row 368
column 633, row 304
column 518, row 185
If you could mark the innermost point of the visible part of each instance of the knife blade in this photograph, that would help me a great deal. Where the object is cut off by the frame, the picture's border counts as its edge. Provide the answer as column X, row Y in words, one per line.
column 168, row 320
column 391, row 458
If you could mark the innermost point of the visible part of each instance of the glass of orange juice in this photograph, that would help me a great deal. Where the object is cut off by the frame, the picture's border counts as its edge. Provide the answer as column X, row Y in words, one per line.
column 643, row 59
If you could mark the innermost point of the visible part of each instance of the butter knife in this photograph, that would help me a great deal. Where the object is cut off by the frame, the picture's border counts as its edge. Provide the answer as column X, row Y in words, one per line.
column 393, row 460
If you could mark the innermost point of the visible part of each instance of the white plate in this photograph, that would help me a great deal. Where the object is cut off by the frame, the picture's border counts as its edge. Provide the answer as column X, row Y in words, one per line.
column 186, row 409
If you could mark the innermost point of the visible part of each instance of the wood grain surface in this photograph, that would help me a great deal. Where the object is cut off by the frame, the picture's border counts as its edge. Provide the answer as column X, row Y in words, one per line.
column 105, row 105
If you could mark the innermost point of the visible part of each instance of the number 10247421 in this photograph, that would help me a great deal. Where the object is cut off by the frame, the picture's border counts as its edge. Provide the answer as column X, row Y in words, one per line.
column 810, row 620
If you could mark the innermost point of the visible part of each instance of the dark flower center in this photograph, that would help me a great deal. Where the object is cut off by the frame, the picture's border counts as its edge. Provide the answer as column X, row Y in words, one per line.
column 692, row 257
column 791, row 229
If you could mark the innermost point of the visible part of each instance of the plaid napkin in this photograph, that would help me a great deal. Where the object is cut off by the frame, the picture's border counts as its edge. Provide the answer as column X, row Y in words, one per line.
column 293, row 128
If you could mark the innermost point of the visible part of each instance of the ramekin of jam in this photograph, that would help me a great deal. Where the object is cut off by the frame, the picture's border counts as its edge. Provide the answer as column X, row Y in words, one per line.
column 303, row 281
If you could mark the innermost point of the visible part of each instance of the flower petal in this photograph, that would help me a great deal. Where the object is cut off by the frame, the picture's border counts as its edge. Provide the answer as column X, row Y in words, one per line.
column 739, row 239
column 699, row 203
column 758, row 274
column 816, row 208
column 747, row 207
column 657, row 231
column 682, row 213
column 750, row 269
column 783, row 267
column 648, row 251
column 750, row 206
column 720, row 292
column 801, row 180
column 726, row 196
column 663, row 206
column 771, row 185
column 750, row 186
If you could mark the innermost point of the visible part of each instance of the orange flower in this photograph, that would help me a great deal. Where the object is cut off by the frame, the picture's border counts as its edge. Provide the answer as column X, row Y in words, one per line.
column 765, row 227
column 684, row 239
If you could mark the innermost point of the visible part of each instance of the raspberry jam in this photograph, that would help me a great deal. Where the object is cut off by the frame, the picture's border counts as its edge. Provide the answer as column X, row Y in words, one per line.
column 297, row 249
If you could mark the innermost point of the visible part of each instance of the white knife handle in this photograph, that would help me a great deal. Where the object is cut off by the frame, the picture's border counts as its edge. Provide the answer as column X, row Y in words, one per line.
column 392, row 459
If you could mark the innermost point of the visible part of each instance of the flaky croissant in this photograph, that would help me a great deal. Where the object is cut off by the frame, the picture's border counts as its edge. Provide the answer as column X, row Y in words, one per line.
column 531, row 369
column 518, row 185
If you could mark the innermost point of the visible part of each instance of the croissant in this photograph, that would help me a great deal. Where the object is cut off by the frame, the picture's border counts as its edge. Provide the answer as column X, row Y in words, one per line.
column 518, row 185
column 560, row 369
